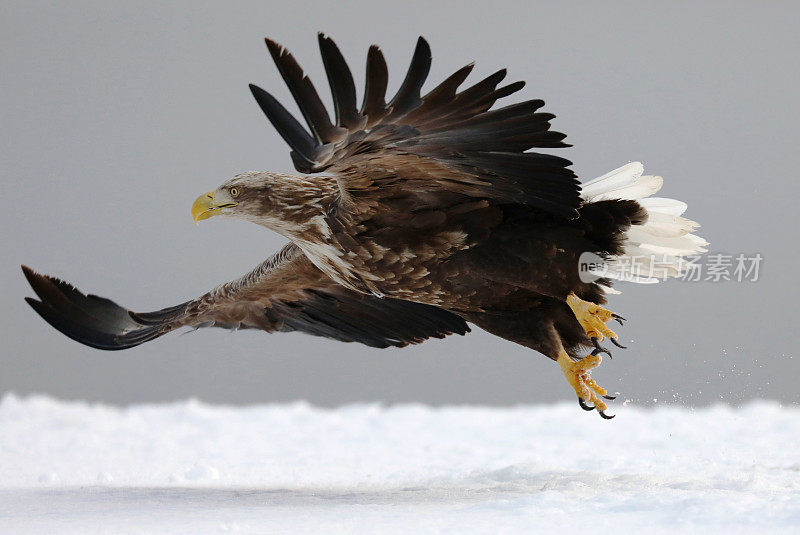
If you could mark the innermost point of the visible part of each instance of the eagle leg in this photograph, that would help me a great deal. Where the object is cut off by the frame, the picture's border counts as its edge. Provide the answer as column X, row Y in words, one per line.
column 578, row 375
column 593, row 319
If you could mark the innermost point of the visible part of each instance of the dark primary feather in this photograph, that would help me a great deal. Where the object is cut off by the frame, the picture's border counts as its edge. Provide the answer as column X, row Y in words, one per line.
column 466, row 148
column 88, row 319
column 305, row 95
column 373, row 106
column 408, row 96
column 466, row 104
column 343, row 89
column 285, row 293
column 304, row 148
column 439, row 95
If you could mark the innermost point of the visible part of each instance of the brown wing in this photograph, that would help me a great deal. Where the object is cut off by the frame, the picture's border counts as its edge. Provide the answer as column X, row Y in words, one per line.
column 285, row 293
column 446, row 141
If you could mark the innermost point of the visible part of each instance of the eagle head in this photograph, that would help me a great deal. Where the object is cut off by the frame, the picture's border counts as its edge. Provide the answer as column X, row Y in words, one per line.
column 283, row 203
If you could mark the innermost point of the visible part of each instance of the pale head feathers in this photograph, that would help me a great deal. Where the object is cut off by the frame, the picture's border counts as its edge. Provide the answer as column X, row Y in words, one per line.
column 288, row 204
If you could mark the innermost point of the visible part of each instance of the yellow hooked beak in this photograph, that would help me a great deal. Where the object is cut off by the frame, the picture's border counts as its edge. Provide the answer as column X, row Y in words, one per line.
column 205, row 206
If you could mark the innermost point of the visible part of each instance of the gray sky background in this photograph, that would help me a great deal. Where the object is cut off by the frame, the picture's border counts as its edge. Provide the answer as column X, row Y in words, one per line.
column 116, row 115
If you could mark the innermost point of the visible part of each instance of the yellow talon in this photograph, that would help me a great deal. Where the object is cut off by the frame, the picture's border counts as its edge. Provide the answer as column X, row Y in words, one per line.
column 592, row 317
column 578, row 375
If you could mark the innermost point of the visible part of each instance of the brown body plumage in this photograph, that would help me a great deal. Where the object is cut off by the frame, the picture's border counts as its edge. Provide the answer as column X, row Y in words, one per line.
column 413, row 216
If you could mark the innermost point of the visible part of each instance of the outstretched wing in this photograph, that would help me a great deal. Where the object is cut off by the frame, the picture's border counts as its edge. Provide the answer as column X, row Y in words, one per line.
column 445, row 141
column 285, row 293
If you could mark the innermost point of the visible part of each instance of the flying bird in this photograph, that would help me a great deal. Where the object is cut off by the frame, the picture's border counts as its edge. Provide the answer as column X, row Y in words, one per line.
column 413, row 217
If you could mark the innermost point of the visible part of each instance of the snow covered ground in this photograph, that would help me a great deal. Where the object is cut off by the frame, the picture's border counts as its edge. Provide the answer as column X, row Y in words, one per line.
column 193, row 468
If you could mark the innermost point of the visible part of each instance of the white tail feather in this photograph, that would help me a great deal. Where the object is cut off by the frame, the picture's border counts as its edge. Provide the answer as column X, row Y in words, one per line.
column 618, row 178
column 644, row 186
column 669, row 226
column 657, row 249
column 664, row 206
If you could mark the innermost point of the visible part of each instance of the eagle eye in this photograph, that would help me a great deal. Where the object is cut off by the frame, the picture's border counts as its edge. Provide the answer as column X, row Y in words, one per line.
column 233, row 192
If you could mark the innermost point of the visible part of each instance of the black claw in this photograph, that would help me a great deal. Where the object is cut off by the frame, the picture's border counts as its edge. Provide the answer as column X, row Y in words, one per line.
column 614, row 341
column 599, row 349
column 606, row 416
column 584, row 405
column 618, row 318
column 610, row 397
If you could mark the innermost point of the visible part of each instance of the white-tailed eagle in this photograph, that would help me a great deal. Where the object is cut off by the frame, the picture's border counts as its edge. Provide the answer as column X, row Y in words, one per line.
column 412, row 217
